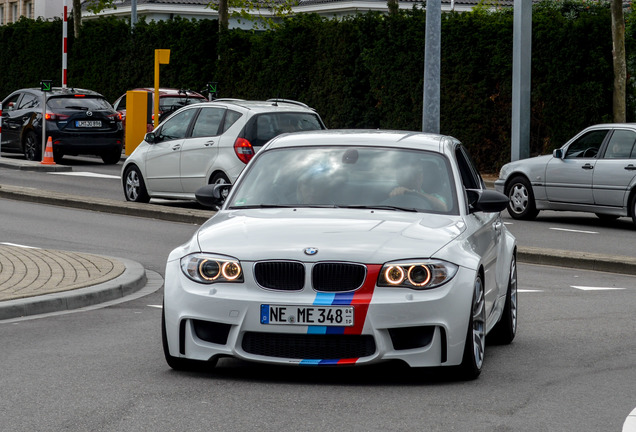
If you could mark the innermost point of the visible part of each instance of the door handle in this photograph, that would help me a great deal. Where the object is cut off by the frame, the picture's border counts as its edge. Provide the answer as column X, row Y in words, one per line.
column 630, row 167
column 176, row 147
column 209, row 143
column 587, row 166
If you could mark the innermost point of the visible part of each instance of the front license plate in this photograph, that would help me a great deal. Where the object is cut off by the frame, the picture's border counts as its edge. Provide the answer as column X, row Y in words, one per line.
column 341, row 316
column 88, row 123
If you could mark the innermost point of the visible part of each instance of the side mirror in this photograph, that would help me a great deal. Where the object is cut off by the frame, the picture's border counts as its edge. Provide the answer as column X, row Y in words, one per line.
column 212, row 195
column 150, row 138
column 558, row 153
column 488, row 201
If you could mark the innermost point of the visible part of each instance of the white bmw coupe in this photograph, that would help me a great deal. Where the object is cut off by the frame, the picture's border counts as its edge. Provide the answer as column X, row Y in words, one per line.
column 346, row 247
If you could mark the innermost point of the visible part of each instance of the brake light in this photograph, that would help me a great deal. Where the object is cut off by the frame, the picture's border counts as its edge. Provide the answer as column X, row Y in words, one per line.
column 116, row 116
column 79, row 95
column 54, row 116
column 244, row 150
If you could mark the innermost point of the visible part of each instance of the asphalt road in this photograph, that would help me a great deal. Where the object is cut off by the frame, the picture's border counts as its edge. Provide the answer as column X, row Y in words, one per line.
column 571, row 367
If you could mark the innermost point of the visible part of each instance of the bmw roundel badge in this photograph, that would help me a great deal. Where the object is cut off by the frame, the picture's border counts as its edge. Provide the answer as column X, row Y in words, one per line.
column 310, row 251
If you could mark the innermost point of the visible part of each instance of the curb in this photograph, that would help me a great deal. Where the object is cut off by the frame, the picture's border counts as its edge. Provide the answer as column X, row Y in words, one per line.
column 132, row 280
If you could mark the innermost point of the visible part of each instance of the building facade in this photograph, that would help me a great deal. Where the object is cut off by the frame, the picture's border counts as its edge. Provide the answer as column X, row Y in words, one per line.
column 12, row 10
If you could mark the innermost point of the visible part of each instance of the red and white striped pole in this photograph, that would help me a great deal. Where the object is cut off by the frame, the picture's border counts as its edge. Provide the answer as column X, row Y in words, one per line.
column 64, row 44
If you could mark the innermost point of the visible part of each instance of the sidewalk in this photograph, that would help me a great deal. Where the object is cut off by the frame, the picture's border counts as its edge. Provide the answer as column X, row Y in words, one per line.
column 37, row 281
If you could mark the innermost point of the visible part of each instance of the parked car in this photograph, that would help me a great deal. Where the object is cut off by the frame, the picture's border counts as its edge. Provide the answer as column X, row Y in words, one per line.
column 170, row 100
column 206, row 143
column 593, row 172
column 326, row 252
column 79, row 121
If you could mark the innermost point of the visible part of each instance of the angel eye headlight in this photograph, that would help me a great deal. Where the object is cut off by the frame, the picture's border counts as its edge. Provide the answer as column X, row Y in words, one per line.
column 210, row 269
column 416, row 275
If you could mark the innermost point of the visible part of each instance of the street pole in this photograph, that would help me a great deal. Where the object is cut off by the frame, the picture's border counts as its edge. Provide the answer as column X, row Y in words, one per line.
column 133, row 14
column 521, row 64
column 432, row 61
column 64, row 44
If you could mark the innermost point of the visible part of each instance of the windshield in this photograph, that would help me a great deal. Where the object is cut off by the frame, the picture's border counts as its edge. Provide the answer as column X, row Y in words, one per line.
column 174, row 102
column 79, row 103
column 352, row 177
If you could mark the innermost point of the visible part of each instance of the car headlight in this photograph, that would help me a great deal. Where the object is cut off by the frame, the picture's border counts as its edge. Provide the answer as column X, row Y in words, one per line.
column 209, row 269
column 417, row 275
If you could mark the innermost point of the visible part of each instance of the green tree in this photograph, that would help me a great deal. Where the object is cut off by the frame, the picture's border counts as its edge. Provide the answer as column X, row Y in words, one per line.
column 94, row 6
column 250, row 10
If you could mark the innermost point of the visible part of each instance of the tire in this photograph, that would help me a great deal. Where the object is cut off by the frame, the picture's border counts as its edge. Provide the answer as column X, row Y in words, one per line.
column 505, row 330
column 219, row 178
column 58, row 156
column 632, row 206
column 177, row 363
column 134, row 186
column 32, row 148
column 111, row 157
column 474, row 347
column 521, row 203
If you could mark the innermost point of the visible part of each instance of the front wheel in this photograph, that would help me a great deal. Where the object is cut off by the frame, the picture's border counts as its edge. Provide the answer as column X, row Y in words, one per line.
column 521, row 204
column 32, row 148
column 134, row 186
column 474, row 348
column 632, row 206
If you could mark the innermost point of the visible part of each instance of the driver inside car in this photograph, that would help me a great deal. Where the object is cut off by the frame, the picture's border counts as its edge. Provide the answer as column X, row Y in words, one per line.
column 423, row 179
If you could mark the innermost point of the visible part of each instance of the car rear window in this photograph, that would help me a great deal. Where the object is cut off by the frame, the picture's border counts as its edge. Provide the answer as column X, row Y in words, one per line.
column 264, row 127
column 78, row 102
column 172, row 103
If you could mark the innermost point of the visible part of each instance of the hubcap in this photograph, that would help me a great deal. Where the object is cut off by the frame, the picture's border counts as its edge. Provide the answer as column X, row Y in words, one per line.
column 518, row 198
column 479, row 320
column 132, row 186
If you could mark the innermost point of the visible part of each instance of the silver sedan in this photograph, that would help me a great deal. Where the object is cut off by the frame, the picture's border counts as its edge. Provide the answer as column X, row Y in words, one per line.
column 346, row 248
column 593, row 172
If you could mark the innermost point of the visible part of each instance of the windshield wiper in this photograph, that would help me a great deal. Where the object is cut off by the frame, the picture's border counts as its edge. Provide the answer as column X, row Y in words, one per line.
column 379, row 207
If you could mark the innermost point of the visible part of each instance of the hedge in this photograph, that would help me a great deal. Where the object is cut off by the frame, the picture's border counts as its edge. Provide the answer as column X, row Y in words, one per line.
column 364, row 71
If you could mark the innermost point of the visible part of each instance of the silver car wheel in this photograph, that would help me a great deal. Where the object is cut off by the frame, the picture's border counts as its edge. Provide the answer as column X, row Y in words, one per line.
column 513, row 294
column 479, row 323
column 518, row 198
column 132, row 185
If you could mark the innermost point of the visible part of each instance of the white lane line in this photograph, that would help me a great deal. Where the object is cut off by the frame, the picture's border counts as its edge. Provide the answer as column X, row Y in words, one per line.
column 156, row 306
column 528, row 291
column 19, row 245
column 589, row 288
column 574, row 231
column 86, row 174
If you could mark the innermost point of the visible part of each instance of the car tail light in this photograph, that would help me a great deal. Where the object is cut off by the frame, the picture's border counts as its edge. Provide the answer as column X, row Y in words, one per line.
column 244, row 150
column 54, row 116
column 116, row 116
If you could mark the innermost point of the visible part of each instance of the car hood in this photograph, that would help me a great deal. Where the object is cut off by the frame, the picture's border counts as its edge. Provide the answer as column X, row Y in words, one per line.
column 343, row 235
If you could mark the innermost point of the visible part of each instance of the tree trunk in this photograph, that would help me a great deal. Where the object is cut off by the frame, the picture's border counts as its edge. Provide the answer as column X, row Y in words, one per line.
column 618, row 54
column 393, row 6
column 77, row 17
column 223, row 15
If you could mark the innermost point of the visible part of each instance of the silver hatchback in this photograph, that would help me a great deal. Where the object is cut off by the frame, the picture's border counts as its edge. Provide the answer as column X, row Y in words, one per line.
column 594, row 172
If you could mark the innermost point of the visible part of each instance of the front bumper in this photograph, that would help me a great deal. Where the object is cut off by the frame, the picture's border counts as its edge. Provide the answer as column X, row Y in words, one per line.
column 420, row 328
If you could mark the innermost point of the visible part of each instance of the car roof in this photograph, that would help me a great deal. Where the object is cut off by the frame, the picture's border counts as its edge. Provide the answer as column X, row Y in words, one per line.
column 365, row 138
column 170, row 92
column 271, row 105
column 61, row 91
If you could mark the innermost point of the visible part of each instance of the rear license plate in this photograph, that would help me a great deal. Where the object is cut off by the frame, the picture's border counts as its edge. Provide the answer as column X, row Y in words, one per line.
column 88, row 123
column 341, row 316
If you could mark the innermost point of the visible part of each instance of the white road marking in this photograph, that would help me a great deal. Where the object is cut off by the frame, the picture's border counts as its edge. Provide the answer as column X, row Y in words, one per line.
column 528, row 291
column 574, row 231
column 156, row 306
column 589, row 288
column 630, row 422
column 86, row 174
column 19, row 245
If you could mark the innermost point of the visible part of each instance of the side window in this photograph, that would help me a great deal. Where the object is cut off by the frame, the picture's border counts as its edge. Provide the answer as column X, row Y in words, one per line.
column 230, row 118
column 621, row 145
column 208, row 122
column 12, row 103
column 28, row 101
column 586, row 146
column 470, row 175
column 177, row 126
column 121, row 104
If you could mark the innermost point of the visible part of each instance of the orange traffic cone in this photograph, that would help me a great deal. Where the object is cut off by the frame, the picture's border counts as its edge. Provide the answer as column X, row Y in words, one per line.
column 48, row 153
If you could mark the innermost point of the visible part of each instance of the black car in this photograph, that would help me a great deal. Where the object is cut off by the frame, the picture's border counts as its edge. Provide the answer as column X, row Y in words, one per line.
column 78, row 121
